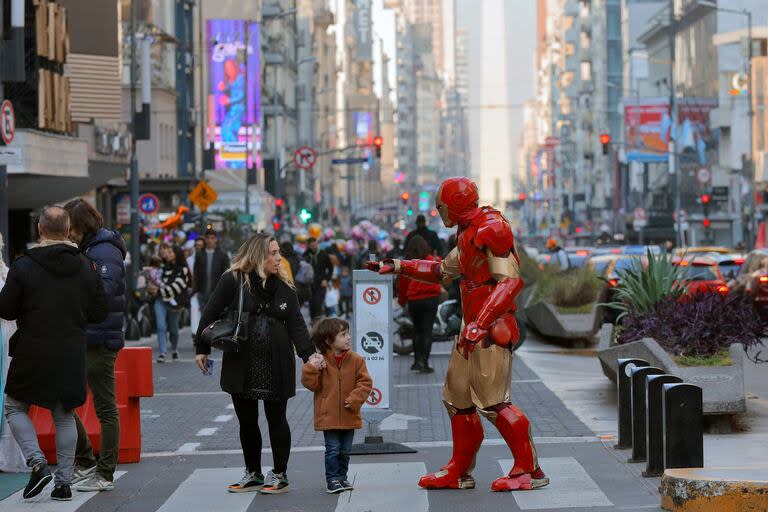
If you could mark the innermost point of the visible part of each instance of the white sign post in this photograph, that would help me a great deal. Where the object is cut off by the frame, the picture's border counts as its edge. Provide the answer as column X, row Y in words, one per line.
column 372, row 333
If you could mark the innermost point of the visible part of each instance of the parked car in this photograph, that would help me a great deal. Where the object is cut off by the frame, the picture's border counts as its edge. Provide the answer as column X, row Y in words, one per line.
column 608, row 267
column 729, row 263
column 703, row 275
column 752, row 280
column 578, row 255
column 700, row 250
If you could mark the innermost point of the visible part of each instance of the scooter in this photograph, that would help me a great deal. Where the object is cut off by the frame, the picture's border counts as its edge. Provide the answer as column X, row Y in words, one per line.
column 446, row 327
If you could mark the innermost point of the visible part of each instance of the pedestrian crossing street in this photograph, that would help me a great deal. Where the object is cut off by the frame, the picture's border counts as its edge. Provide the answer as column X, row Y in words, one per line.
column 384, row 486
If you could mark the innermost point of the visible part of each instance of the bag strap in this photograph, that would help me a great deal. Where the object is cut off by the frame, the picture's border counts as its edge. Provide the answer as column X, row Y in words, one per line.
column 239, row 305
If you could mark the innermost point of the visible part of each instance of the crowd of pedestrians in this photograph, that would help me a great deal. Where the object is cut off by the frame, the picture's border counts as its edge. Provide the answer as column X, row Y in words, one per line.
column 65, row 298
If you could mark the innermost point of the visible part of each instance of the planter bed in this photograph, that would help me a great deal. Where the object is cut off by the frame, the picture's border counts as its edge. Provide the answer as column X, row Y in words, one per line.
column 546, row 319
column 723, row 386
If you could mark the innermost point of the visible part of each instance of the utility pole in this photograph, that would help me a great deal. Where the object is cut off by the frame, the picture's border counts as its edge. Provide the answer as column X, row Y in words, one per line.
column 750, row 113
column 3, row 170
column 672, row 149
column 135, row 255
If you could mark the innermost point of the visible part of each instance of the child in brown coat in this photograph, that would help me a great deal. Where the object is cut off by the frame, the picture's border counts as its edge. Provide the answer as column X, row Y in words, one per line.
column 339, row 378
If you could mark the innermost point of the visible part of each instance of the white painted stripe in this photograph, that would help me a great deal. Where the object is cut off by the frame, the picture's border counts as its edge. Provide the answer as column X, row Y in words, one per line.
column 570, row 487
column 419, row 444
column 186, row 448
column 208, row 431
column 43, row 502
column 441, row 384
column 385, row 486
column 205, row 490
column 231, row 407
column 223, row 418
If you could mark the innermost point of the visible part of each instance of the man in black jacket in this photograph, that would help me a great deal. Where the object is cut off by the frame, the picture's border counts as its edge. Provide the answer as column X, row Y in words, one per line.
column 323, row 267
column 425, row 233
column 52, row 292
column 210, row 265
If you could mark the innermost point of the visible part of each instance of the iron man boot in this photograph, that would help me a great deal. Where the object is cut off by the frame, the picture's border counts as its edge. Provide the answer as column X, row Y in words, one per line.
column 526, row 473
column 467, row 433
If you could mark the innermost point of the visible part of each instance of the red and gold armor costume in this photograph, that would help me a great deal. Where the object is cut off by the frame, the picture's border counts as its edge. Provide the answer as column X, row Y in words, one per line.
column 478, row 378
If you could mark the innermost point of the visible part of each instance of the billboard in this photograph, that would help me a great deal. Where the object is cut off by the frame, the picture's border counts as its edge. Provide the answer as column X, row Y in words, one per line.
column 647, row 126
column 363, row 123
column 234, row 93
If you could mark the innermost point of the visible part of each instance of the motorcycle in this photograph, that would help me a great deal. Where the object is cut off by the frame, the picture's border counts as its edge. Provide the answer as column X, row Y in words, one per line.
column 446, row 327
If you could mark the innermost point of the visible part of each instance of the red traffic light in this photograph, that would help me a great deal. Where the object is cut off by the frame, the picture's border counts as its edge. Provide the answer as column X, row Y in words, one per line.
column 378, row 141
column 276, row 226
column 279, row 202
column 705, row 198
column 707, row 223
column 433, row 213
column 605, row 138
column 405, row 196
column 521, row 196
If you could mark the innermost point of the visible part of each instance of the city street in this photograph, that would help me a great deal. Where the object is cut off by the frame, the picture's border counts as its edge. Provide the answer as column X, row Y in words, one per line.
column 191, row 451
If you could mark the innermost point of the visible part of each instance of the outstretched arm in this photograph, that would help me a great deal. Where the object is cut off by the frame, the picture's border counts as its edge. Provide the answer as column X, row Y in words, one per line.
column 427, row 271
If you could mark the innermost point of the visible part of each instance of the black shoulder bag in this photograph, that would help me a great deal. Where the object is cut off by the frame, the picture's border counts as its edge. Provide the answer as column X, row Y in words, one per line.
column 225, row 333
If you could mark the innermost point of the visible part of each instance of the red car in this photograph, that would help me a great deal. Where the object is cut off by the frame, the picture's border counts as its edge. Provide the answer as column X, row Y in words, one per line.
column 703, row 275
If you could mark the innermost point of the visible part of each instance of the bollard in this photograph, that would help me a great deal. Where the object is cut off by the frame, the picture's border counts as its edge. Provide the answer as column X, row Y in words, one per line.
column 683, row 426
column 638, row 375
column 654, row 430
column 624, row 399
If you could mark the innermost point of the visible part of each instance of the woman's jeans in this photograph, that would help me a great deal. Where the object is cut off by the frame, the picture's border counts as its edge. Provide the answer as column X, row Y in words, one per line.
column 17, row 414
column 166, row 319
column 338, row 444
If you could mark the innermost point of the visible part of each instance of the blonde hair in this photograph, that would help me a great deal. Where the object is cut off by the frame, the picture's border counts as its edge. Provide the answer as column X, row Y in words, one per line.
column 251, row 258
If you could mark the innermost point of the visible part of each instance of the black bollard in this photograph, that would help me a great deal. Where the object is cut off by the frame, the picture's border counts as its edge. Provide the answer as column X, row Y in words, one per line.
column 638, row 376
column 624, row 399
column 683, row 426
column 654, row 439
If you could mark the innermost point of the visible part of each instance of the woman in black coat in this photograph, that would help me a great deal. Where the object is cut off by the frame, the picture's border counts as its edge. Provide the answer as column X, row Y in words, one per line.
column 265, row 367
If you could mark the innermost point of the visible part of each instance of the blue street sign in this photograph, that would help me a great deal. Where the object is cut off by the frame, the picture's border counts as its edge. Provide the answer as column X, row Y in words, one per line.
column 339, row 161
column 149, row 204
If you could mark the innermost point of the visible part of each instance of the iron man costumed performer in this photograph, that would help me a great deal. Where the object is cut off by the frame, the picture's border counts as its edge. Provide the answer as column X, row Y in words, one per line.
column 478, row 379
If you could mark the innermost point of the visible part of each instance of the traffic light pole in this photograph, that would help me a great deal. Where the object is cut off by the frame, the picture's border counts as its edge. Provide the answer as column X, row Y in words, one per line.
column 135, row 253
column 673, row 170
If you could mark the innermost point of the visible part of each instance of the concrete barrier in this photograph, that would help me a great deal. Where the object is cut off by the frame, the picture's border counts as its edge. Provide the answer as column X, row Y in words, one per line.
column 545, row 318
column 710, row 489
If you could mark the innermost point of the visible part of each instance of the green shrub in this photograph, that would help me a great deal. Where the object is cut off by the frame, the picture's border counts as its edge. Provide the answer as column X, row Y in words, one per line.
column 641, row 287
column 529, row 269
column 575, row 288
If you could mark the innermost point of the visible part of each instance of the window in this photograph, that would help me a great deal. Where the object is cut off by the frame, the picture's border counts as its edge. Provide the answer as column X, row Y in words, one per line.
column 584, row 41
column 586, row 71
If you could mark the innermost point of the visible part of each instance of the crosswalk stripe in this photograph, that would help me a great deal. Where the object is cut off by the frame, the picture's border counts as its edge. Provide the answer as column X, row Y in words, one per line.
column 43, row 502
column 385, row 486
column 205, row 490
column 570, row 486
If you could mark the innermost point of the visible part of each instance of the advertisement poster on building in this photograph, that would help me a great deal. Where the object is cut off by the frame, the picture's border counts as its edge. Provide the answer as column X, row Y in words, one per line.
column 363, row 122
column 234, row 93
column 648, row 125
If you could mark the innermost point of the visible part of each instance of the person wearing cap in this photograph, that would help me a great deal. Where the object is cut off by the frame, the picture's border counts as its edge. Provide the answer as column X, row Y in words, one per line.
column 559, row 256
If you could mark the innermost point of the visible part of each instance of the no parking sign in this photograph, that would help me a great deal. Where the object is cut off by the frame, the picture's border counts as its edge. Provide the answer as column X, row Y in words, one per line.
column 372, row 333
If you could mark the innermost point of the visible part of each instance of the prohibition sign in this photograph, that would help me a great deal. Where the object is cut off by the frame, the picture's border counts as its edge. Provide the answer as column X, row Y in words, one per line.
column 375, row 397
column 7, row 122
column 305, row 157
column 372, row 296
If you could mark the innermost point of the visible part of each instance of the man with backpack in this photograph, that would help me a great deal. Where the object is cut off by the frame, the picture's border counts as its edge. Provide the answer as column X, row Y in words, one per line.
column 323, row 271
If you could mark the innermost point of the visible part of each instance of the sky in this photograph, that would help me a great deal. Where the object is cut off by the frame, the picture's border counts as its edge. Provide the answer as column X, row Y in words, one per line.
column 503, row 37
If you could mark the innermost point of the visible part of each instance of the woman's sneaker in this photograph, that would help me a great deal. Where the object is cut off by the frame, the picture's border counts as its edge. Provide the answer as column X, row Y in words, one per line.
column 347, row 485
column 61, row 493
column 40, row 477
column 275, row 483
column 175, row 355
column 334, row 487
column 161, row 358
column 81, row 474
column 96, row 483
column 251, row 482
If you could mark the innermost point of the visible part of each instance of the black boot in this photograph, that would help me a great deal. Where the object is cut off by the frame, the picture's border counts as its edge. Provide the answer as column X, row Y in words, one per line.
column 426, row 349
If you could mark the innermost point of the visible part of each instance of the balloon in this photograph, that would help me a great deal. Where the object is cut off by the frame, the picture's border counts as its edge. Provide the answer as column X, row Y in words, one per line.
column 315, row 230
column 357, row 232
column 301, row 238
column 351, row 248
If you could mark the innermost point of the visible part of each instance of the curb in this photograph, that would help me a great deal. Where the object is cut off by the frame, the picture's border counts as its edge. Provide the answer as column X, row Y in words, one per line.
column 721, row 489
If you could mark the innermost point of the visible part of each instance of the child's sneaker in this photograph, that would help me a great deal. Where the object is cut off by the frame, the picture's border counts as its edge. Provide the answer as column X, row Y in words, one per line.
column 251, row 481
column 175, row 355
column 347, row 485
column 61, row 492
column 161, row 358
column 334, row 487
column 275, row 483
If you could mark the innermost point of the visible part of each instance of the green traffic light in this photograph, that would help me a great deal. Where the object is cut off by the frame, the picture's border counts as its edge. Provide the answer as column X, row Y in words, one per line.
column 304, row 215
column 410, row 212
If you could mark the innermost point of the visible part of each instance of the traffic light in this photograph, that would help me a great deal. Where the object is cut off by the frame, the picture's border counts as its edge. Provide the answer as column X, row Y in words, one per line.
column 433, row 213
column 705, row 200
column 410, row 212
column 521, row 197
column 405, row 196
column 377, row 142
column 605, row 140
column 305, row 215
column 279, row 203
column 276, row 225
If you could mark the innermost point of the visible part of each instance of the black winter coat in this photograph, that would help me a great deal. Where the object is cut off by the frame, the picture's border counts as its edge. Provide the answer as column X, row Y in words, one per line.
column 52, row 292
column 288, row 335
column 219, row 265
column 321, row 262
column 107, row 251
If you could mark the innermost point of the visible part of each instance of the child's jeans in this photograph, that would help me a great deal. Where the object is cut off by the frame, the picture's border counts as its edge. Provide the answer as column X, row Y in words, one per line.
column 338, row 444
column 330, row 311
